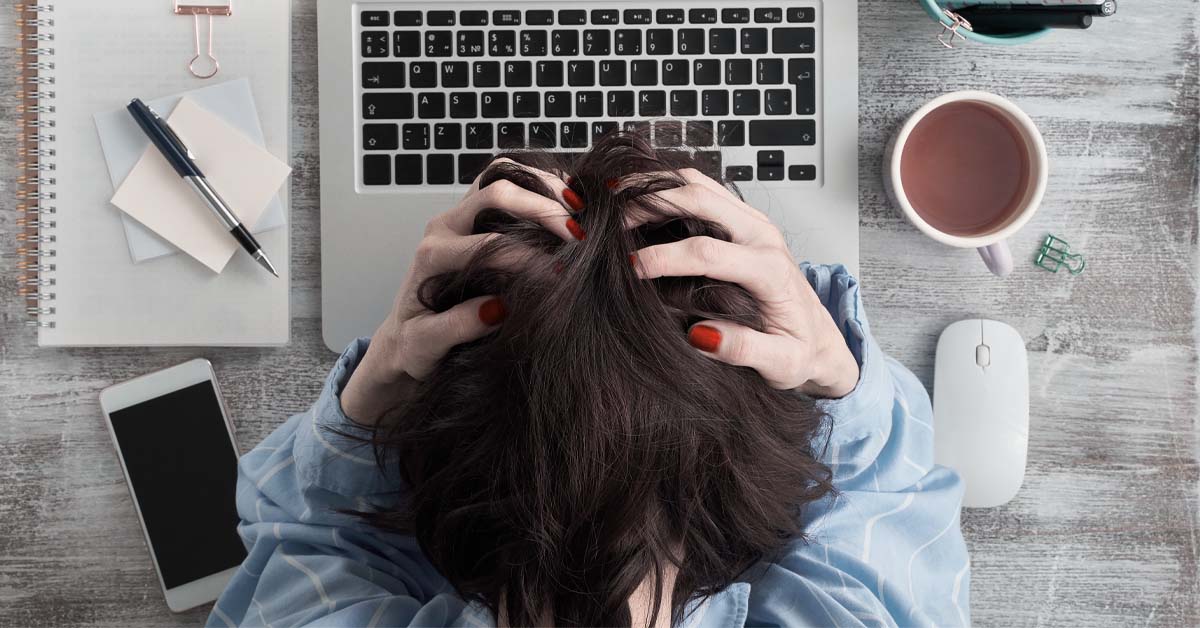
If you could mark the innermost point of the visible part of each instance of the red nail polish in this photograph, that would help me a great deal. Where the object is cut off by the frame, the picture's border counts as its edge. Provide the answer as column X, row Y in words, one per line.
column 492, row 312
column 704, row 338
column 633, row 259
column 575, row 229
column 572, row 200
column 612, row 184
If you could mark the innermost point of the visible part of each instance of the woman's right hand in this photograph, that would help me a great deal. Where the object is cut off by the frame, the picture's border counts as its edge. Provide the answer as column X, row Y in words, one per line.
column 412, row 339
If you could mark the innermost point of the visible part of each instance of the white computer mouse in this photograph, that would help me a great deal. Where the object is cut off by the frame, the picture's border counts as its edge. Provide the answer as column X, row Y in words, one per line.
column 981, row 409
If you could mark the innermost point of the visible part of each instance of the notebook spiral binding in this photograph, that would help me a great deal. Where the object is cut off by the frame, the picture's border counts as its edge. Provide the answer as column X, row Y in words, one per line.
column 36, row 166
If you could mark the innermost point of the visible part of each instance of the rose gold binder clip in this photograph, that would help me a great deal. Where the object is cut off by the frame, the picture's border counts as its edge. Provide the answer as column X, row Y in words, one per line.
column 950, row 31
column 196, row 10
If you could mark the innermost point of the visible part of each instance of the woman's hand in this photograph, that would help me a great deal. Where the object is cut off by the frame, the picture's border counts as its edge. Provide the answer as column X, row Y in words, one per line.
column 412, row 339
column 801, row 346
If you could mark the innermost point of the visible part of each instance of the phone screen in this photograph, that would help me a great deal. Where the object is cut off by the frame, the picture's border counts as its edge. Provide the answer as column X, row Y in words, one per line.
column 183, row 468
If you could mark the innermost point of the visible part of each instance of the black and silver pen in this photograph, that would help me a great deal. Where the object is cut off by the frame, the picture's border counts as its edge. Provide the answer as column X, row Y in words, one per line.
column 182, row 159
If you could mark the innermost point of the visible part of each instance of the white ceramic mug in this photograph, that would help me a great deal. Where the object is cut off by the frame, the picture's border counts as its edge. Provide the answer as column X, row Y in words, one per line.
column 991, row 245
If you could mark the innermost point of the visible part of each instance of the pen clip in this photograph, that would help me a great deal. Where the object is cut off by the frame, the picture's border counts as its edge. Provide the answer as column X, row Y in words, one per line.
column 171, row 132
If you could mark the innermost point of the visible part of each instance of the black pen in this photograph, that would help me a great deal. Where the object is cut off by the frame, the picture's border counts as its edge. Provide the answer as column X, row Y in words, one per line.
column 182, row 159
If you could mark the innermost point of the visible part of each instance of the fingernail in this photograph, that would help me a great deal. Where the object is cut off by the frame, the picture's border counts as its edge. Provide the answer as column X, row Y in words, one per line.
column 492, row 312
column 572, row 200
column 704, row 338
column 633, row 259
column 612, row 184
column 575, row 229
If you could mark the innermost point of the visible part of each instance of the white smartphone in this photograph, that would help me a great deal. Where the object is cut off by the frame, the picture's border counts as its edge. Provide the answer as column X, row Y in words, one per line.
column 178, row 452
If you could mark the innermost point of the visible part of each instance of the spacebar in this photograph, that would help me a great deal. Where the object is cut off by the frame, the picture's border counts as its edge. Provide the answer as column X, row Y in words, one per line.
column 783, row 132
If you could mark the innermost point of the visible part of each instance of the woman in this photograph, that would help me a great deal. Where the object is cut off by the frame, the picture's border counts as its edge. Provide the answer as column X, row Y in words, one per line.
column 606, row 395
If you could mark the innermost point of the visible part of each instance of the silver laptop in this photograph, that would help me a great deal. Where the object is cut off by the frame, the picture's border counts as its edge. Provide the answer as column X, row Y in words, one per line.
column 416, row 98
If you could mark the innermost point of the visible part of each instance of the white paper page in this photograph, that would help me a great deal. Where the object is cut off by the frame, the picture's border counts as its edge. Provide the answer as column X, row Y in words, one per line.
column 123, row 144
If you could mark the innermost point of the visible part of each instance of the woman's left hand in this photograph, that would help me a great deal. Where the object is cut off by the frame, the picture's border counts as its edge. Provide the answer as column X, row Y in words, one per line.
column 800, row 346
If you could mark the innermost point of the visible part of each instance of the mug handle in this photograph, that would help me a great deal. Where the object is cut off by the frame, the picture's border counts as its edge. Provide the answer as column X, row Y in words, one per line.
column 997, row 257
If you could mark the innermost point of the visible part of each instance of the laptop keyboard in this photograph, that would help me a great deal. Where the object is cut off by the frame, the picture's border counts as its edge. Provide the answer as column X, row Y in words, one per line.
column 441, row 91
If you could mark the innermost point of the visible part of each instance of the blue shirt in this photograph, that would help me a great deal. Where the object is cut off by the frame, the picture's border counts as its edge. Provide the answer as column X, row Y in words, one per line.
column 886, row 550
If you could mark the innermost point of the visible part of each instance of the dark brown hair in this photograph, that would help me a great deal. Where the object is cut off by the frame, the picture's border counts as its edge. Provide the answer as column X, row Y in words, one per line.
column 554, row 464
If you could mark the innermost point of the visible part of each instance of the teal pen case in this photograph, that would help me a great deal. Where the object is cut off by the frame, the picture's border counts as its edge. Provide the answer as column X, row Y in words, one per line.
column 935, row 11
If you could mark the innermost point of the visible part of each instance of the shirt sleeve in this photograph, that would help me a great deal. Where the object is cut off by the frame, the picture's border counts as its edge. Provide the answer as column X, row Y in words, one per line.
column 887, row 547
column 309, row 560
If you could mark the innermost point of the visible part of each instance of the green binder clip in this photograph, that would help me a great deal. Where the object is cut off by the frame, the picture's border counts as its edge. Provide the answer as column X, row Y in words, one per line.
column 1055, row 253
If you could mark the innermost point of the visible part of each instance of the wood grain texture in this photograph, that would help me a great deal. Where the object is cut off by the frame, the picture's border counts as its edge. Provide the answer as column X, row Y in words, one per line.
column 1104, row 531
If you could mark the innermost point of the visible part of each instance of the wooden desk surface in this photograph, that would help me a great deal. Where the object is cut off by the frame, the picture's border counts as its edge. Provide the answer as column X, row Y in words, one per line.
column 1104, row 531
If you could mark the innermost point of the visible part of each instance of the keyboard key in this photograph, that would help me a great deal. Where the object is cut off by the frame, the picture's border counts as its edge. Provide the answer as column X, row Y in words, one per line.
column 502, row 43
column 533, row 43
column 527, row 105
column 691, row 41
column 788, row 41
column 409, row 169
column 581, row 73
column 709, row 162
column 675, row 72
column 801, row 14
column 768, row 16
column 463, row 105
column 722, row 41
column 652, row 103
column 470, row 43
column 595, row 42
column 494, row 104
column 735, row 16
column 702, row 16
column 510, row 135
column 408, row 18
column 612, row 73
column 564, row 43
column 375, row 44
column 738, row 72
column 549, row 73
column 542, row 135
column 802, row 173
column 746, row 102
column 416, row 136
column 669, row 16
column 605, row 16
column 589, row 104
column 391, row 106
column 377, row 170
column 707, row 71
column 440, row 18
column 770, row 173
column 374, row 18
column 715, row 102
column 438, row 43
column 639, row 128
column 558, row 104
column 422, row 74
column 668, row 133
column 770, row 71
column 783, row 132
column 470, row 165
column 620, row 104
column 637, row 16
column 456, row 74
column 739, row 173
column 600, row 129
column 506, row 18
column 628, row 41
column 447, row 136
column 518, row 74
column 778, row 102
column 770, row 158
column 382, row 74
column 473, row 18
column 572, row 17
column 539, row 17
column 683, row 103
column 754, row 41
column 660, row 41
column 487, row 74
column 479, row 135
column 731, row 133
column 381, row 136
column 643, row 72
column 431, row 105
column 803, row 74
column 440, row 169
column 699, row 133
column 574, row 135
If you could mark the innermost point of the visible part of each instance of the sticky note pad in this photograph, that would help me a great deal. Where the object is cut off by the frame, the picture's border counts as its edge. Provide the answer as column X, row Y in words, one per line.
column 243, row 173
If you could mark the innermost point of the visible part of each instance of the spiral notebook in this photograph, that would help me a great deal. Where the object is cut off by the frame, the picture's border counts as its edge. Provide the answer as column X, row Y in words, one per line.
column 78, row 58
